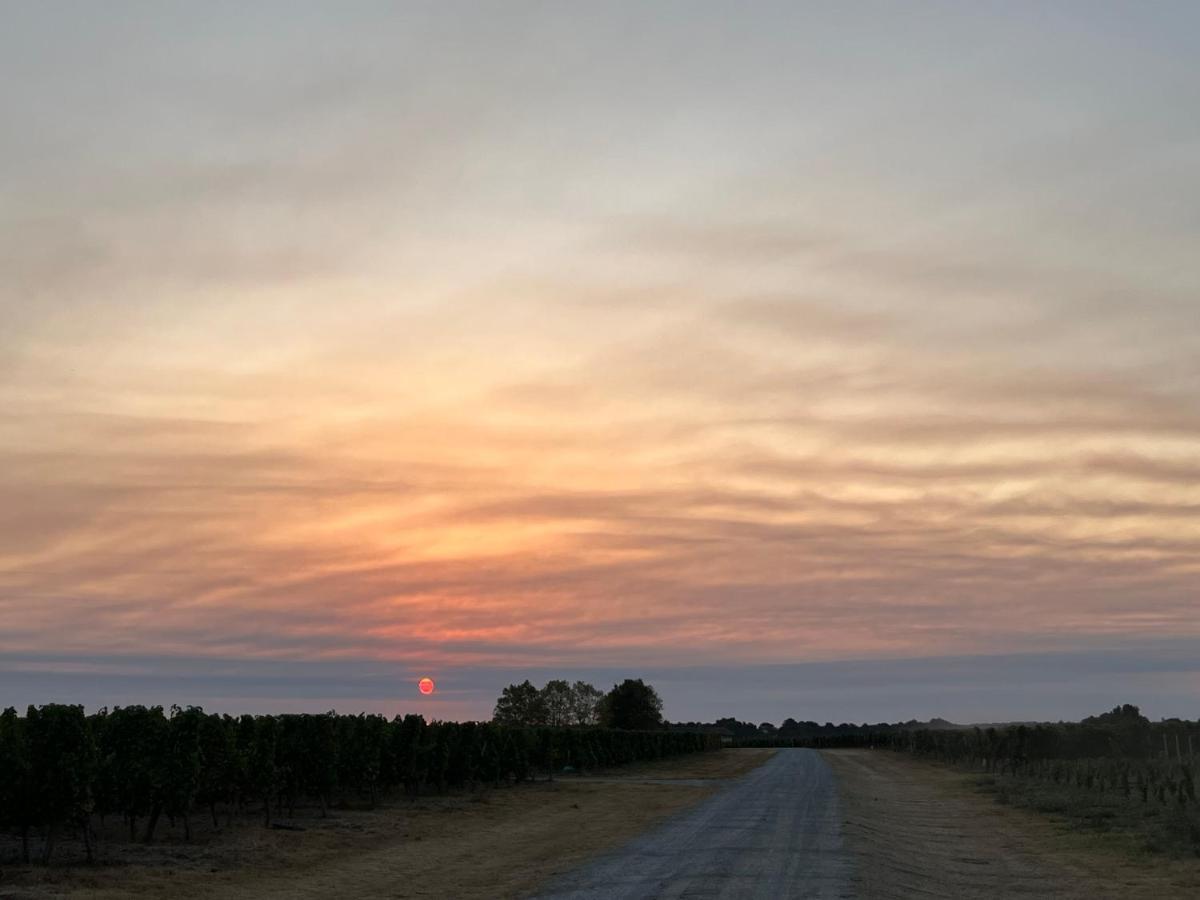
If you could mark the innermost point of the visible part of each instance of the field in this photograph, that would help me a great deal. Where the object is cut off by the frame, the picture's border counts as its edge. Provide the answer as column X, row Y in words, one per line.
column 1114, row 774
column 493, row 843
column 922, row 828
column 137, row 803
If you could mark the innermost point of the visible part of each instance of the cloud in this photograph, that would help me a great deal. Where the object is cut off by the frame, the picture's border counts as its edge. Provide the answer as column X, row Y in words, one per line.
column 524, row 344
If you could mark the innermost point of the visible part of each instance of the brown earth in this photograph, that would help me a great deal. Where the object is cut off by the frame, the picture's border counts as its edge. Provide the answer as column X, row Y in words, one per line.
column 923, row 830
column 500, row 843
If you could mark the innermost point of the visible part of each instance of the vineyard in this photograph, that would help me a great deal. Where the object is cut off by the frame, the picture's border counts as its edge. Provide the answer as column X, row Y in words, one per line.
column 1124, row 761
column 1124, row 773
column 60, row 767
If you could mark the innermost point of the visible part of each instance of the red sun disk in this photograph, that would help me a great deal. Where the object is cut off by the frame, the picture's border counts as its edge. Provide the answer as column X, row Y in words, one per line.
column 426, row 686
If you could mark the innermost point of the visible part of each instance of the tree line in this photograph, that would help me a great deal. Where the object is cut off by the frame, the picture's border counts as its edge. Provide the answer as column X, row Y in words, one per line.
column 791, row 730
column 631, row 705
column 60, row 767
column 1124, row 733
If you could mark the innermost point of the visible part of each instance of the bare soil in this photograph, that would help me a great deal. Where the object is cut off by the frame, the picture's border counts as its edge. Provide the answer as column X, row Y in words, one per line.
column 499, row 843
column 923, row 830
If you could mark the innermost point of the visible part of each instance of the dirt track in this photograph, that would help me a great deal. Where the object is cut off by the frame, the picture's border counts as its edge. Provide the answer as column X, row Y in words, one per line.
column 774, row 833
column 918, row 830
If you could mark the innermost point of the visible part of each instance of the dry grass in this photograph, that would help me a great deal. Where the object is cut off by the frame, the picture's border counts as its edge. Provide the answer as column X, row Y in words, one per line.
column 919, row 829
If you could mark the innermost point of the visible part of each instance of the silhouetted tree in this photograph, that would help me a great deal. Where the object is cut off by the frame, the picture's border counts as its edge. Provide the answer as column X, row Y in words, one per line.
column 585, row 702
column 520, row 705
column 1126, row 714
column 632, row 705
column 556, row 699
column 737, row 728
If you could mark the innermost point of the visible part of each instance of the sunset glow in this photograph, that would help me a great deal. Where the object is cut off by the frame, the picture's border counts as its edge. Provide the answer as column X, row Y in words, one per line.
column 489, row 350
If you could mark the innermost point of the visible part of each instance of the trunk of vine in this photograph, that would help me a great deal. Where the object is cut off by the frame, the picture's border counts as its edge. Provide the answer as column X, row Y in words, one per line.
column 152, row 825
column 49, row 848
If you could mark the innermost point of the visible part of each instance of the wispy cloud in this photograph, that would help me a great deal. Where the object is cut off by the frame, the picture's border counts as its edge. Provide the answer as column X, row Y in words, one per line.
column 521, row 343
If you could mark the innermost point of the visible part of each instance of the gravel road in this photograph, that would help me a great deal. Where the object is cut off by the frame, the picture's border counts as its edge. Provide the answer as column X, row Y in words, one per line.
column 774, row 833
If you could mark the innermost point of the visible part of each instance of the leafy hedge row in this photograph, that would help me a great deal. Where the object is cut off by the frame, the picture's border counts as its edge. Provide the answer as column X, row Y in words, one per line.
column 1014, row 747
column 58, row 766
column 1006, row 749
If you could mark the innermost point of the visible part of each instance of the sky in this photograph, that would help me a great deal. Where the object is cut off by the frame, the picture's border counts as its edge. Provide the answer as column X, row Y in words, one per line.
column 833, row 361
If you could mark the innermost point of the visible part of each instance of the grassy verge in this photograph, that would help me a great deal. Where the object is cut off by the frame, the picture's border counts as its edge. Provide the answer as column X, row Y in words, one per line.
column 1150, row 827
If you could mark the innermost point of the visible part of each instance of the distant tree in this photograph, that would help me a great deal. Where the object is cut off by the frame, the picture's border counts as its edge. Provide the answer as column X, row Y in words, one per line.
column 520, row 705
column 1126, row 714
column 1128, row 731
column 632, row 705
column 585, row 702
column 736, row 728
column 557, row 701
column 767, row 729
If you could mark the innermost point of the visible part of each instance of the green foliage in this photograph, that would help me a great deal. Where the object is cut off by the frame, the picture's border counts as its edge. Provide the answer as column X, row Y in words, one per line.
column 410, row 750
column 134, row 752
column 585, row 704
column 62, row 767
column 58, row 766
column 520, row 706
column 221, row 764
column 18, row 793
column 558, row 705
column 182, row 766
column 262, row 762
